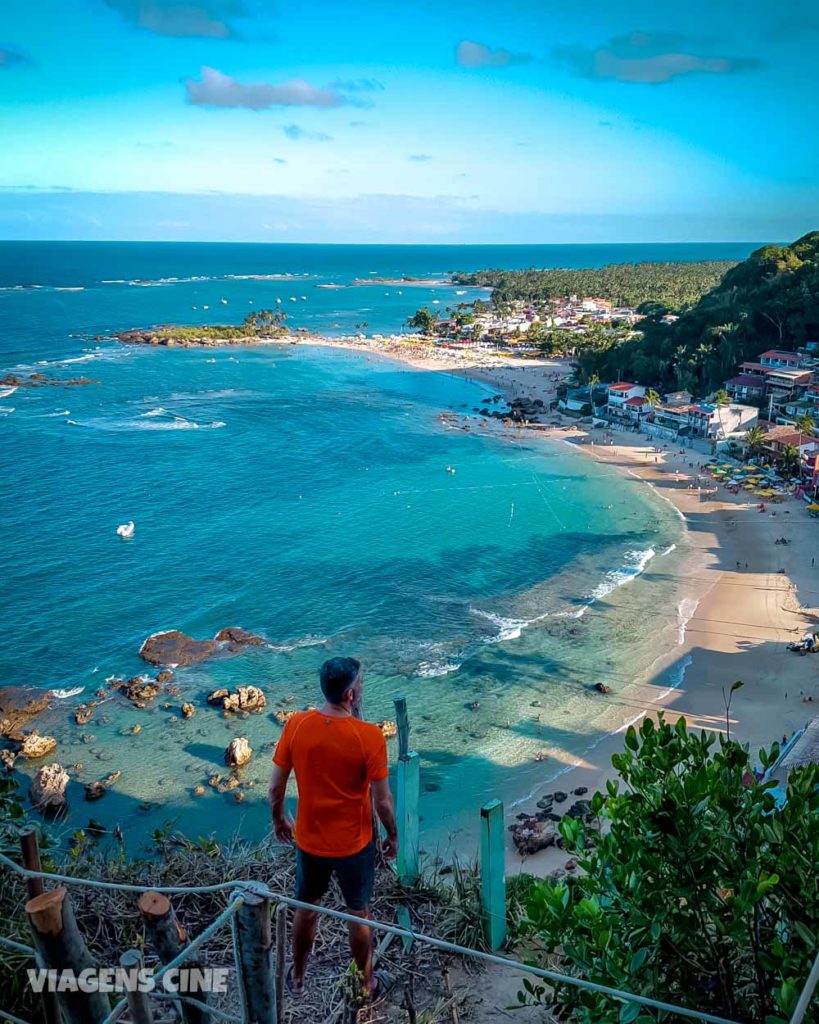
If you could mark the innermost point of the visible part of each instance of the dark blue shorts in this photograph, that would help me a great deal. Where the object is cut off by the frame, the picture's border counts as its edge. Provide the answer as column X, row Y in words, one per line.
column 355, row 875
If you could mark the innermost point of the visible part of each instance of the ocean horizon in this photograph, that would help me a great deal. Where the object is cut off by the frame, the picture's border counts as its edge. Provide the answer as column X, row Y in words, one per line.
column 302, row 493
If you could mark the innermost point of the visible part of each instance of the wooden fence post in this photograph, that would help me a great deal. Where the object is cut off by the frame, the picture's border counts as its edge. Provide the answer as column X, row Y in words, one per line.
column 59, row 943
column 408, row 792
column 139, row 1006
column 281, row 957
column 168, row 938
column 493, row 872
column 30, row 856
column 254, row 942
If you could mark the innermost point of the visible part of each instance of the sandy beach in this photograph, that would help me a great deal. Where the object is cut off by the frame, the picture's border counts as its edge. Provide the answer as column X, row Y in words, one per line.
column 749, row 596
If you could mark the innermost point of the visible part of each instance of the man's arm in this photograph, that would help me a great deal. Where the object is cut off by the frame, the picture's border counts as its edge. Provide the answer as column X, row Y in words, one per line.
column 282, row 824
column 385, row 809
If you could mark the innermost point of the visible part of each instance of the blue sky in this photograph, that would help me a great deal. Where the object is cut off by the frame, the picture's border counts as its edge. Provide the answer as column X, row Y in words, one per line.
column 421, row 120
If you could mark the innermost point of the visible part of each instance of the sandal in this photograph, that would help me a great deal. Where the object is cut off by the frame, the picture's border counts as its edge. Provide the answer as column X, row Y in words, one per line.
column 383, row 984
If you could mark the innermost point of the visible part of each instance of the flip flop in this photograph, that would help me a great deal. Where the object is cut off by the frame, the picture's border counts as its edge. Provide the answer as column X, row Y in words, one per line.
column 290, row 985
column 384, row 983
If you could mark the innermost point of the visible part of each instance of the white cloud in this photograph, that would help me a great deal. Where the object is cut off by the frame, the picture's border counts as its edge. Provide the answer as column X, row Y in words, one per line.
column 476, row 55
column 174, row 18
column 649, row 59
column 220, row 90
column 294, row 131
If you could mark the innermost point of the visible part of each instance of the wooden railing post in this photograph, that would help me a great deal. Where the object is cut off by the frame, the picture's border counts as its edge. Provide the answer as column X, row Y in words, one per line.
column 168, row 939
column 30, row 856
column 59, row 943
column 493, row 874
column 139, row 1006
column 254, row 941
column 281, row 959
column 408, row 792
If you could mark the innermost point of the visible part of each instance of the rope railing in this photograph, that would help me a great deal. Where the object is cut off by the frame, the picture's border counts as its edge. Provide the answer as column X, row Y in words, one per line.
column 258, row 889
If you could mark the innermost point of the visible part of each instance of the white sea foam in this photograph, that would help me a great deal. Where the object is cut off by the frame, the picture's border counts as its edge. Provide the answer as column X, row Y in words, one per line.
column 433, row 669
column 508, row 628
column 64, row 288
column 614, row 578
column 59, row 412
column 686, row 610
column 159, row 411
column 7, row 392
column 7, row 410
column 64, row 694
column 305, row 641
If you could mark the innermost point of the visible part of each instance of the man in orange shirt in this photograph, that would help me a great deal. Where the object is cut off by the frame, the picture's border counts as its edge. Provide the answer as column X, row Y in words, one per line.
column 338, row 761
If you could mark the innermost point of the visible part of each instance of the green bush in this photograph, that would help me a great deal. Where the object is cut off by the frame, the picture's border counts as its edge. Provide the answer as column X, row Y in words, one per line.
column 700, row 890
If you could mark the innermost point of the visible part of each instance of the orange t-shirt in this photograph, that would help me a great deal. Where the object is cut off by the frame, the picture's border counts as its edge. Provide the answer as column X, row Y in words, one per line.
column 335, row 760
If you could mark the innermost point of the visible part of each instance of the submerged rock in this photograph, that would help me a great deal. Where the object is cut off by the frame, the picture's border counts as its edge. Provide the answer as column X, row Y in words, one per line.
column 165, row 676
column 47, row 791
column 188, row 710
column 217, row 696
column 235, row 637
column 95, row 790
column 283, row 717
column 238, row 752
column 7, row 758
column 388, row 729
column 83, row 714
column 35, row 745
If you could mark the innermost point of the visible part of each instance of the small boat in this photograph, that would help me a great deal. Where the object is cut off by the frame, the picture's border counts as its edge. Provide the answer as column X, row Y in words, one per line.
column 223, row 301
column 278, row 302
column 451, row 469
column 126, row 530
column 462, row 292
column 206, row 307
column 304, row 298
column 293, row 298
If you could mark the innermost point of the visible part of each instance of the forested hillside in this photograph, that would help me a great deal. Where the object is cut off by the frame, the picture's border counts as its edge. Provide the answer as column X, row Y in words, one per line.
column 770, row 300
column 672, row 285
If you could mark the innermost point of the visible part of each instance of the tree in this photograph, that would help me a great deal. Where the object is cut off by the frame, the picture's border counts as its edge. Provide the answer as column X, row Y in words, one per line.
column 789, row 460
column 423, row 321
column 754, row 439
column 652, row 398
column 804, row 425
column 702, row 891
column 721, row 399
column 594, row 380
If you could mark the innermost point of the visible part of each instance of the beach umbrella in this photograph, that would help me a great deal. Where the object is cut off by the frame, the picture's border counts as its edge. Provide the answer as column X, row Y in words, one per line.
column 748, row 487
column 813, row 508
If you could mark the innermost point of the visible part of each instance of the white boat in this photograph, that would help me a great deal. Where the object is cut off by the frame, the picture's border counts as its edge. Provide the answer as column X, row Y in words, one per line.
column 126, row 530
column 223, row 301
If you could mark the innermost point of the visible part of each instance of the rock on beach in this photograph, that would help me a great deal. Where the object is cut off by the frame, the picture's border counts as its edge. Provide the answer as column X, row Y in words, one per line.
column 47, row 791
column 35, row 745
column 238, row 752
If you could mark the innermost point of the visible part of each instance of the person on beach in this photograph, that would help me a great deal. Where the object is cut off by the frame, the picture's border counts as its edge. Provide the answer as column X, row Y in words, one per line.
column 339, row 761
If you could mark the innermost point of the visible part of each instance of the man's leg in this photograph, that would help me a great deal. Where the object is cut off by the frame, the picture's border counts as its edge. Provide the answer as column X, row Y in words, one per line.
column 312, row 878
column 304, row 934
column 361, row 947
column 356, row 877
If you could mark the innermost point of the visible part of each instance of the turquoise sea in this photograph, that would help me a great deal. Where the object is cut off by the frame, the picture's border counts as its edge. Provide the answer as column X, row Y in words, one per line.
column 302, row 493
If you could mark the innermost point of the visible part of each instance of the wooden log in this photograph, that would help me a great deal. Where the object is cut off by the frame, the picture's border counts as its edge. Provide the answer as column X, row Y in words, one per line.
column 254, row 943
column 59, row 943
column 168, row 939
column 30, row 856
column 408, row 792
column 493, row 874
column 139, row 1006
column 281, row 959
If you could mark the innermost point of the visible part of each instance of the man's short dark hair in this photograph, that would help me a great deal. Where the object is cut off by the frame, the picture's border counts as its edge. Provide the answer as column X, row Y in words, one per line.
column 337, row 676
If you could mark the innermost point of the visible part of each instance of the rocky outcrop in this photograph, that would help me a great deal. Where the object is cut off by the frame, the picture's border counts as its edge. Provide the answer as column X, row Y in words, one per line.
column 47, row 791
column 18, row 707
column 235, row 638
column 283, row 717
column 238, row 752
column 580, row 809
column 165, row 676
column 35, row 745
column 141, row 690
column 175, row 648
column 246, row 698
column 532, row 834
column 39, row 380
column 7, row 759
column 389, row 729
column 188, row 710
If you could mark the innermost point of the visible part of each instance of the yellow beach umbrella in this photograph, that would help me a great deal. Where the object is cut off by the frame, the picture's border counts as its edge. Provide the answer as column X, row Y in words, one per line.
column 748, row 487
column 813, row 508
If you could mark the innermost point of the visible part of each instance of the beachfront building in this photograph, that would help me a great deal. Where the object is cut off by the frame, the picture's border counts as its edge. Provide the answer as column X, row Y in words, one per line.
column 618, row 397
column 747, row 387
column 777, row 359
column 717, row 423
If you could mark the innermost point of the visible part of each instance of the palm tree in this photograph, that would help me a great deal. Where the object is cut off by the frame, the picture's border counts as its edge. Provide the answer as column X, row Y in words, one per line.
column 652, row 398
column 594, row 380
column 805, row 425
column 721, row 399
column 789, row 459
column 754, row 438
